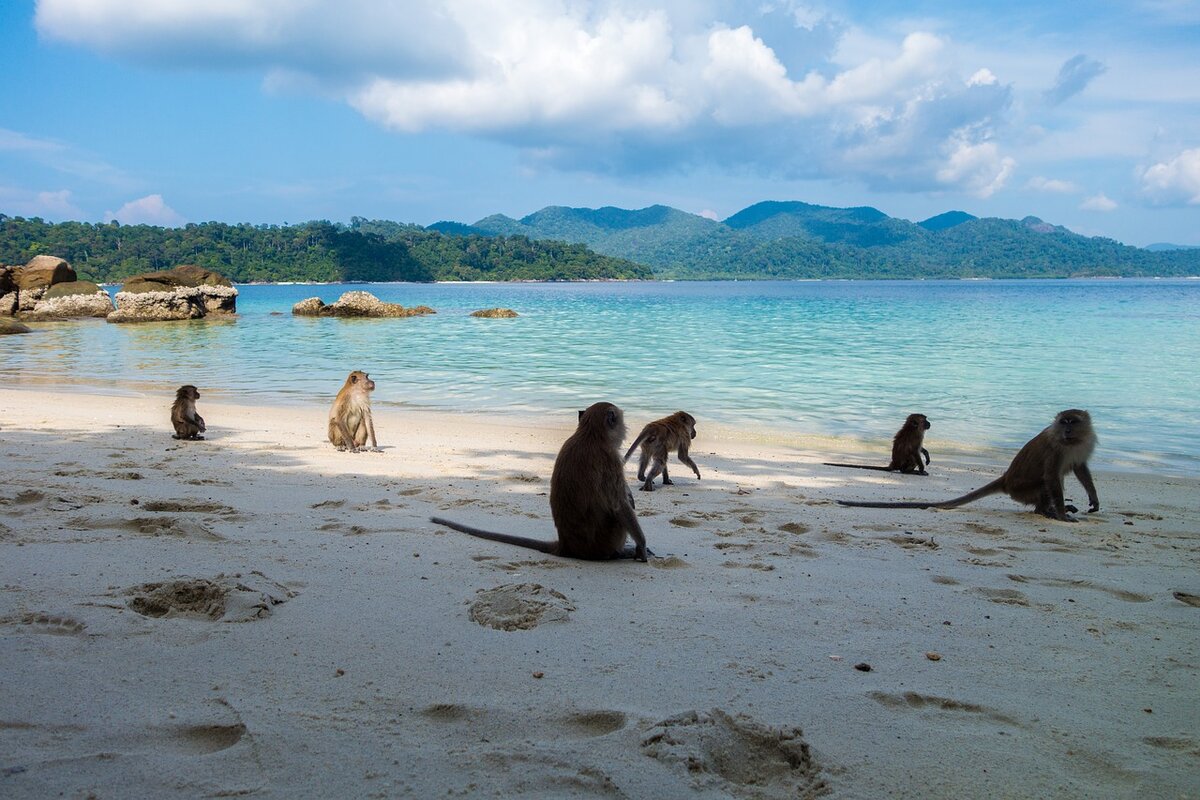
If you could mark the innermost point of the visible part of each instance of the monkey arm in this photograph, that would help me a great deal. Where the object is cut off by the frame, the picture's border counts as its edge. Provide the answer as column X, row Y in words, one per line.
column 925, row 453
column 200, row 423
column 371, row 431
column 1054, row 487
column 1084, row 476
column 630, row 522
column 686, row 459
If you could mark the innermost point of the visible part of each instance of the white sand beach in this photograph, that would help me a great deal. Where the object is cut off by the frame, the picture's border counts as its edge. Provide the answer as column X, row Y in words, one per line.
column 260, row 615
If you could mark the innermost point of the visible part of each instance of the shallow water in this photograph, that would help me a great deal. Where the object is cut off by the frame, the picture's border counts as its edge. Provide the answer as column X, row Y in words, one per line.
column 990, row 362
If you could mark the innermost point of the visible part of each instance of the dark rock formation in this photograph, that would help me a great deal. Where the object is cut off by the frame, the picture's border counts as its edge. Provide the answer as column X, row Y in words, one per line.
column 495, row 313
column 9, row 325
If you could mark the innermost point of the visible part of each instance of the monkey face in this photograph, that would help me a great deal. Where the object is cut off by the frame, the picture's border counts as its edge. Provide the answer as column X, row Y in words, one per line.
column 1073, row 424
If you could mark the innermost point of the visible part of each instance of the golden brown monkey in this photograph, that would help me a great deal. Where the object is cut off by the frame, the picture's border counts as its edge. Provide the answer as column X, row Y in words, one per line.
column 350, row 420
column 187, row 423
column 657, row 440
column 589, row 500
column 907, row 449
column 1035, row 476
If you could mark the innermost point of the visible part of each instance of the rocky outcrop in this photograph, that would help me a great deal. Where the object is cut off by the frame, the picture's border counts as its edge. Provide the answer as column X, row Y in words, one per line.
column 70, row 300
column 495, row 313
column 185, row 292
column 8, row 291
column 9, row 325
column 25, row 286
column 356, row 304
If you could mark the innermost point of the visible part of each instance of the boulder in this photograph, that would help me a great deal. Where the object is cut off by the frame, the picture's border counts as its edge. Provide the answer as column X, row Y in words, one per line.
column 185, row 292
column 495, row 313
column 356, row 304
column 37, row 276
column 9, row 325
column 8, row 291
column 73, row 299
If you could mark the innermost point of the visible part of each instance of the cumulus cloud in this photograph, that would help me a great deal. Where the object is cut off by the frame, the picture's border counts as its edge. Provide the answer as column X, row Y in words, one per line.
column 1073, row 77
column 593, row 85
column 977, row 167
column 55, row 205
column 1098, row 202
column 1051, row 185
column 148, row 210
column 1174, row 182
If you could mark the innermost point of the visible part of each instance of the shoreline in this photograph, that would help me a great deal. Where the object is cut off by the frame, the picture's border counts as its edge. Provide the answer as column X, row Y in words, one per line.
column 329, row 640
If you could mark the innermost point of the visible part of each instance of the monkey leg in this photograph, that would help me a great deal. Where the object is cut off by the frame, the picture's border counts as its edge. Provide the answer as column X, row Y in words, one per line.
column 656, row 468
column 642, row 462
column 666, row 478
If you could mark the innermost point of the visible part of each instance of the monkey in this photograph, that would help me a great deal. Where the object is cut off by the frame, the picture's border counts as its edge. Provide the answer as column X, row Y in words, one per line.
column 1035, row 476
column 590, row 502
column 907, row 449
column 350, row 419
column 657, row 439
column 187, row 423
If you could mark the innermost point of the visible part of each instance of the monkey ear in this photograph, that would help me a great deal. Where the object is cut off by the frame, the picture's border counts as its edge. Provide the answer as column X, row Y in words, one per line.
column 611, row 418
column 353, row 378
column 581, row 414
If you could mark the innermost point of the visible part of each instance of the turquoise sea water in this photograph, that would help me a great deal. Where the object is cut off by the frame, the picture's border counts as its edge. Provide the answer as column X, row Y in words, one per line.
column 990, row 359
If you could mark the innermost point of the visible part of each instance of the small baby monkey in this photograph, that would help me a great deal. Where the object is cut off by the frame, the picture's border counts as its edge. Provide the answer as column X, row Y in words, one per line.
column 188, row 424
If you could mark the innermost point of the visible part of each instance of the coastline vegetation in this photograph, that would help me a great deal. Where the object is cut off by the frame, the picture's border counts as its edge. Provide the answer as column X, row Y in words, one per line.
column 312, row 251
column 771, row 240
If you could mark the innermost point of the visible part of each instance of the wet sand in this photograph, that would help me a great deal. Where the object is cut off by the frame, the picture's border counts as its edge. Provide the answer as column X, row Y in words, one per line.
column 258, row 614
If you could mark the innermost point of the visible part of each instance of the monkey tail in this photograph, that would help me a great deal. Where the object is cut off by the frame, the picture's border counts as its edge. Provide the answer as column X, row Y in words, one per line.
column 636, row 442
column 858, row 466
column 994, row 487
column 533, row 544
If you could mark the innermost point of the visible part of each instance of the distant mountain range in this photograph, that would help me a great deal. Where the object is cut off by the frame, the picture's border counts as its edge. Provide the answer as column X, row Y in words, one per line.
column 799, row 240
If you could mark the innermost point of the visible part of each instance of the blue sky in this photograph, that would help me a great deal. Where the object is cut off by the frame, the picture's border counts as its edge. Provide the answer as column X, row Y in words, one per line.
column 273, row 111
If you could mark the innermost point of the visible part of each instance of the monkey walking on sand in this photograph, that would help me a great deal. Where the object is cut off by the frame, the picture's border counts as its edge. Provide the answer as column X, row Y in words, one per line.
column 1035, row 476
column 187, row 423
column 590, row 502
column 907, row 449
column 657, row 440
column 350, row 421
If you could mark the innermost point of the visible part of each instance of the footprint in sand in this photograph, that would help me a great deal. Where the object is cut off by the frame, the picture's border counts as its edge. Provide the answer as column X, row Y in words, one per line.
column 914, row 542
column 494, row 724
column 50, row 624
column 232, row 598
column 1178, row 744
column 1188, row 598
column 199, row 740
column 795, row 527
column 1078, row 583
column 736, row 755
column 758, row 565
column 914, row 700
column 1008, row 597
column 519, row 606
column 684, row 522
column 189, row 506
column 329, row 504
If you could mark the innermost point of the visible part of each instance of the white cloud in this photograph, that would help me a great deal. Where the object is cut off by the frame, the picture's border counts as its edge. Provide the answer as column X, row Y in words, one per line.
column 1073, row 77
column 1174, row 182
column 976, row 167
column 1098, row 202
column 54, row 205
column 982, row 77
column 594, row 85
column 148, row 210
column 708, row 213
column 1051, row 185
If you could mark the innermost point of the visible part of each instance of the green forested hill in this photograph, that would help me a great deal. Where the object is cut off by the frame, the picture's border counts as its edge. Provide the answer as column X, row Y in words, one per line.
column 314, row 251
column 801, row 240
column 783, row 240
